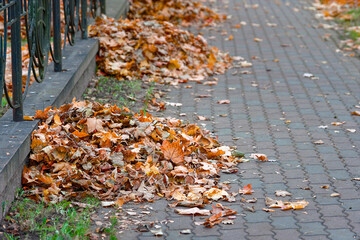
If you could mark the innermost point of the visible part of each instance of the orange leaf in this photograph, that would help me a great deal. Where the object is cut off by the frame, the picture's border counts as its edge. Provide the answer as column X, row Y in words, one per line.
column 28, row 118
column 212, row 60
column 173, row 152
column 42, row 114
column 119, row 202
column 356, row 113
column 80, row 134
column 174, row 64
column 94, row 124
column 57, row 120
column 246, row 190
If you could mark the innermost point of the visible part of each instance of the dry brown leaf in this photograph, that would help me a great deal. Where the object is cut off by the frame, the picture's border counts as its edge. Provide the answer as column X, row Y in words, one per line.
column 282, row 193
column 318, row 142
column 225, row 101
column 173, row 151
column 193, row 211
column 259, row 156
column 246, row 190
column 268, row 210
column 338, row 123
column 356, row 113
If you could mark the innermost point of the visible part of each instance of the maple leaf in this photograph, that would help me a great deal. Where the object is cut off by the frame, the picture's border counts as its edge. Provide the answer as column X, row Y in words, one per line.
column 80, row 134
column 173, row 151
column 42, row 114
column 57, row 120
column 246, row 190
column 218, row 212
column 94, row 124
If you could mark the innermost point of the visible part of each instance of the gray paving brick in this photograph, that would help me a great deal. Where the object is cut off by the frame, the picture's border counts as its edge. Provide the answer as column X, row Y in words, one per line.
column 341, row 234
column 288, row 222
column 312, row 228
column 286, row 234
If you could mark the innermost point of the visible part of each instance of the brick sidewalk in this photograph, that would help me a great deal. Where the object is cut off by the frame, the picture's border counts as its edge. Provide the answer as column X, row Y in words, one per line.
column 261, row 103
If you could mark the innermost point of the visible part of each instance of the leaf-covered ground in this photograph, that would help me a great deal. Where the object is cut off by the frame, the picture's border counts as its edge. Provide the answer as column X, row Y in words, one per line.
column 155, row 51
column 86, row 148
column 184, row 13
column 343, row 16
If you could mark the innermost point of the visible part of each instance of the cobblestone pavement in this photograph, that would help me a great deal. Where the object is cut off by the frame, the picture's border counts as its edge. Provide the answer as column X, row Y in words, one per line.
column 256, row 121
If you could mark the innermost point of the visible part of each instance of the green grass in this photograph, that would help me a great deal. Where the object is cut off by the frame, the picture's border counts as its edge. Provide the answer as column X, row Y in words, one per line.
column 133, row 94
column 54, row 221
column 3, row 106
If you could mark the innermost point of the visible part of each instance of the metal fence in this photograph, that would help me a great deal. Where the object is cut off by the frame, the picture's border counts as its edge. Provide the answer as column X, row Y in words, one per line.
column 45, row 27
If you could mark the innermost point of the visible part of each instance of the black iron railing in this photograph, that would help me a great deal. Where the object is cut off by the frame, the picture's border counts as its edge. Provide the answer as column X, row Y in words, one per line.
column 40, row 22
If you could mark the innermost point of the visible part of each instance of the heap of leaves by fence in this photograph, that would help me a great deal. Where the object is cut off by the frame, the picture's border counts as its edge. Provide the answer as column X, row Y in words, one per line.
column 36, row 30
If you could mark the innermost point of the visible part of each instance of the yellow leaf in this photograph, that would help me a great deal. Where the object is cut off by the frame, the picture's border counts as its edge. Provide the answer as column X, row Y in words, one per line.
column 28, row 118
column 57, row 120
column 174, row 64
column 212, row 60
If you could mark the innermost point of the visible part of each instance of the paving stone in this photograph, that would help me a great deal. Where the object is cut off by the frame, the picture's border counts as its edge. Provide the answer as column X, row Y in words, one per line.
column 232, row 234
column 312, row 228
column 286, row 234
column 336, row 222
column 259, row 229
column 341, row 234
column 287, row 222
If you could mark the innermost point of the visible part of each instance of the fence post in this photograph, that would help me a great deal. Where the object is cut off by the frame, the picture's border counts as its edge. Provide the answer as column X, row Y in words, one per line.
column 84, row 24
column 16, row 61
column 57, row 36
column 103, row 6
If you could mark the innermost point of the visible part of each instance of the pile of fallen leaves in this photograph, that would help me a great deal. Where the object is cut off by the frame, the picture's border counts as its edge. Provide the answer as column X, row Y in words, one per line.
column 155, row 51
column 85, row 148
column 336, row 8
column 346, row 14
column 183, row 12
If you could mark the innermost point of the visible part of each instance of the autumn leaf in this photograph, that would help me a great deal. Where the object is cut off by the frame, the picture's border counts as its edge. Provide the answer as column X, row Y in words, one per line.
column 225, row 101
column 174, row 64
column 295, row 205
column 259, row 156
column 80, row 134
column 94, row 124
column 218, row 214
column 42, row 114
column 282, row 193
column 193, row 211
column 216, row 194
column 338, row 123
column 28, row 118
column 173, row 151
column 246, row 190
column 212, row 60
column 268, row 210
column 57, row 120
column 356, row 113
